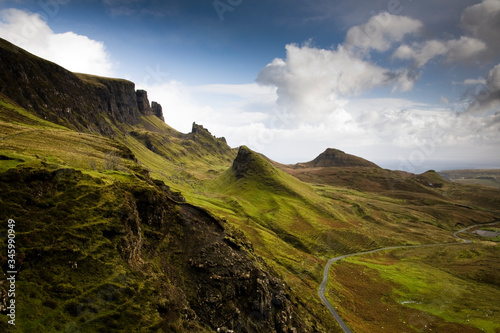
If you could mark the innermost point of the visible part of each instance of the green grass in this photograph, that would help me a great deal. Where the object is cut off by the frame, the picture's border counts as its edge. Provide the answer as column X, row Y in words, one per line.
column 478, row 177
column 12, row 114
column 443, row 285
column 62, row 217
column 296, row 226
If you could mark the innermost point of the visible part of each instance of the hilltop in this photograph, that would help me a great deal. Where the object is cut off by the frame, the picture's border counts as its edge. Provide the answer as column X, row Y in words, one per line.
column 336, row 158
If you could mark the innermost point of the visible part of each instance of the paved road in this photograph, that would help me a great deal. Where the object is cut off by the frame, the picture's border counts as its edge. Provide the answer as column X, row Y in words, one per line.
column 322, row 286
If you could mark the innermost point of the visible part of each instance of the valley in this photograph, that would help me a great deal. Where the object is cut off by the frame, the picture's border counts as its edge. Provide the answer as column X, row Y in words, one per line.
column 485, row 325
column 478, row 177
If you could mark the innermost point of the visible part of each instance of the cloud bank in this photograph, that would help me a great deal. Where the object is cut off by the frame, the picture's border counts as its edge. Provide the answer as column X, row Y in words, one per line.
column 315, row 98
column 322, row 89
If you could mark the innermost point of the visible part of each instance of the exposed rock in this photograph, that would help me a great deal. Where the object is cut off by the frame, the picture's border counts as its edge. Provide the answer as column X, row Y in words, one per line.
column 118, row 100
column 228, row 287
column 243, row 162
column 232, row 291
column 248, row 163
column 131, row 245
column 157, row 110
column 199, row 129
column 211, row 143
column 143, row 102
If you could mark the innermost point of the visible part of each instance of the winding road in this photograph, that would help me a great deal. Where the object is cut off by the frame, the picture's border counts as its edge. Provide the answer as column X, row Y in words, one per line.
column 322, row 287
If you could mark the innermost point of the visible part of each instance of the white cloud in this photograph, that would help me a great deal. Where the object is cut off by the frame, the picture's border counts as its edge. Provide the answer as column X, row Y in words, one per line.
column 493, row 80
column 380, row 32
column 473, row 82
column 483, row 21
column 385, row 130
column 482, row 25
column 312, row 83
column 487, row 99
column 461, row 50
column 464, row 50
column 76, row 53
column 319, row 87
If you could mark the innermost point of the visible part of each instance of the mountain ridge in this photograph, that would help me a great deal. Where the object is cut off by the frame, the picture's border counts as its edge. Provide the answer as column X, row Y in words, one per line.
column 78, row 101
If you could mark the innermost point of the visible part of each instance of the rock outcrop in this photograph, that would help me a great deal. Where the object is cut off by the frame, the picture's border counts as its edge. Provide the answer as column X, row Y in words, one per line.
column 210, row 143
column 225, row 283
column 157, row 110
column 143, row 102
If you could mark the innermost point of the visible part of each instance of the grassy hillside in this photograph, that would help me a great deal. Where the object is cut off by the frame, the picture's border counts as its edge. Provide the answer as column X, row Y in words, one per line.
column 298, row 226
column 294, row 226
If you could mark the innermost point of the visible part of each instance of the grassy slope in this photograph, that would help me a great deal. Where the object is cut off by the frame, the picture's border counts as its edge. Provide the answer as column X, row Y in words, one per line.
column 68, row 193
column 294, row 226
column 445, row 289
column 297, row 226
column 361, row 291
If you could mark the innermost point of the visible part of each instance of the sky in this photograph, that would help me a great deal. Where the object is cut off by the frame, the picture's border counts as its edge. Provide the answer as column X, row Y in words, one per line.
column 409, row 85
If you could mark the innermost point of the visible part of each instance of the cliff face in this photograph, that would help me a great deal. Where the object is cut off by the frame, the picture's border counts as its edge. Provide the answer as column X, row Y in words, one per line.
column 226, row 285
column 78, row 101
column 157, row 110
column 143, row 102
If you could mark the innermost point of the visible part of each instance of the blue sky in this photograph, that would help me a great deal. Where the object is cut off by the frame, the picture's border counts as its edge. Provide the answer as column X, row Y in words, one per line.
column 410, row 85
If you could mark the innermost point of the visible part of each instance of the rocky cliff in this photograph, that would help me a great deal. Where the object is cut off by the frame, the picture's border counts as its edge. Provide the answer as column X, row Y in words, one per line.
column 77, row 101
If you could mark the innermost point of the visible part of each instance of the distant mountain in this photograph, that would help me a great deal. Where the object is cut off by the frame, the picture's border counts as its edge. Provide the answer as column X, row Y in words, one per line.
column 336, row 158
column 335, row 167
